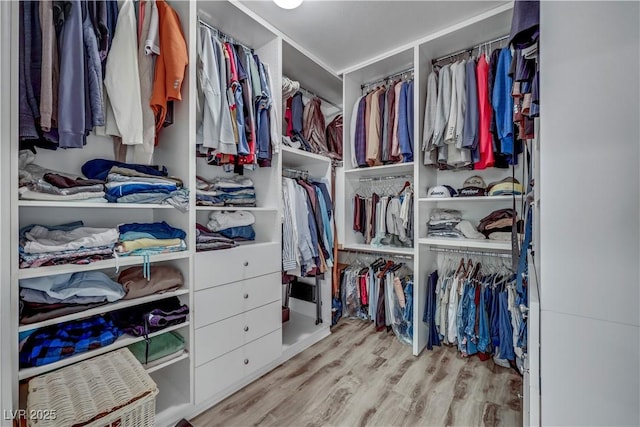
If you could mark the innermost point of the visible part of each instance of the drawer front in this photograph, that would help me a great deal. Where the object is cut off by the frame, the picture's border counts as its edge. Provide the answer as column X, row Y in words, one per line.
column 261, row 321
column 214, row 340
column 263, row 351
column 215, row 376
column 262, row 259
column 216, row 268
column 221, row 302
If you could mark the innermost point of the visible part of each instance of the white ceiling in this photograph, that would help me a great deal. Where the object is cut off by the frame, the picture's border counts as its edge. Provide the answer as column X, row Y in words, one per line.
column 345, row 33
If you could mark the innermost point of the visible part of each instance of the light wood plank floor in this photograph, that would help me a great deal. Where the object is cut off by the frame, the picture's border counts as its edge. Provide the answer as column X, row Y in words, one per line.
column 358, row 377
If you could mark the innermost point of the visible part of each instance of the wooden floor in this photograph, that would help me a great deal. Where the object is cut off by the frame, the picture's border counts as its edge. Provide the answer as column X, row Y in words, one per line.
column 357, row 377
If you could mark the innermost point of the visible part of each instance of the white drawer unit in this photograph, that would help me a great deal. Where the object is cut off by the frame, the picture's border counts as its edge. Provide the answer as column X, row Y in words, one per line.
column 221, row 302
column 218, row 338
column 219, row 374
column 216, row 268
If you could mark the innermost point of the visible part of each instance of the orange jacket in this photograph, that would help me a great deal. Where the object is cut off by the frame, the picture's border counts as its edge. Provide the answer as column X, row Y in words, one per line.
column 170, row 64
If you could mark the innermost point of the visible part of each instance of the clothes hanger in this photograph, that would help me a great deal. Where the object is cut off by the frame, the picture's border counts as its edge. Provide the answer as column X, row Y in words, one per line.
column 461, row 268
column 406, row 184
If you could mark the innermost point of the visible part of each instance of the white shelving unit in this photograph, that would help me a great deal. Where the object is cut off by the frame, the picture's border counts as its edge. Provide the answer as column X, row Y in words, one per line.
column 172, row 151
column 302, row 330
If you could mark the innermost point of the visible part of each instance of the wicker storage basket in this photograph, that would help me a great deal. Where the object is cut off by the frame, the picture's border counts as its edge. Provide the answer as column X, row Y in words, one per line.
column 108, row 390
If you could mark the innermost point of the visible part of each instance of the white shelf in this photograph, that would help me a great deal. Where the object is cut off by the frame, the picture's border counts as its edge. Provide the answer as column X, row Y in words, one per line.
column 468, row 199
column 466, row 243
column 383, row 249
column 123, row 341
column 301, row 332
column 80, row 204
column 393, row 169
column 235, row 208
column 183, row 356
column 125, row 261
column 103, row 309
column 293, row 157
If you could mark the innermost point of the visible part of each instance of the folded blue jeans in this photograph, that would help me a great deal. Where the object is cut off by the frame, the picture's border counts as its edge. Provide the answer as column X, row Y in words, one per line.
column 245, row 232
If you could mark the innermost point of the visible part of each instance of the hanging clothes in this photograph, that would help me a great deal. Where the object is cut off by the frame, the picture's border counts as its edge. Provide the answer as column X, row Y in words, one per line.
column 88, row 67
column 307, row 234
column 476, row 312
column 380, row 292
column 382, row 126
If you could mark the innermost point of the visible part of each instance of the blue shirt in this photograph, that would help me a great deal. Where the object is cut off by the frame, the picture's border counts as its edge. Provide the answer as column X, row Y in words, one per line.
column 503, row 102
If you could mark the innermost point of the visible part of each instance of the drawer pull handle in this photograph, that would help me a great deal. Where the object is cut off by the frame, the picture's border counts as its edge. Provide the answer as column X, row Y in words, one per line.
column 246, row 361
column 246, row 263
column 246, row 329
column 246, row 296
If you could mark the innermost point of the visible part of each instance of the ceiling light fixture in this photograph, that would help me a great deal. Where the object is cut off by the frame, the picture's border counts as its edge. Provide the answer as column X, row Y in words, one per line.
column 288, row 4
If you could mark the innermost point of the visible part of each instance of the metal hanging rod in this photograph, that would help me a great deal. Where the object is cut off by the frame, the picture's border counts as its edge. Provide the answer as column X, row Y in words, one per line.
column 373, row 254
column 311, row 94
column 390, row 77
column 468, row 252
column 226, row 37
column 384, row 178
column 295, row 173
column 469, row 50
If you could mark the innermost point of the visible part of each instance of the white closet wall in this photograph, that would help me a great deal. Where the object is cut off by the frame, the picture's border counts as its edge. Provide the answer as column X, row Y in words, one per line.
column 589, row 209
column 6, row 249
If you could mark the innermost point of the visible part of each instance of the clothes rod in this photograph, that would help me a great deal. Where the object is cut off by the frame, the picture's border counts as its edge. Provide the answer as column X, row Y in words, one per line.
column 311, row 94
column 468, row 252
column 469, row 50
column 387, row 254
column 390, row 77
column 384, row 178
column 224, row 36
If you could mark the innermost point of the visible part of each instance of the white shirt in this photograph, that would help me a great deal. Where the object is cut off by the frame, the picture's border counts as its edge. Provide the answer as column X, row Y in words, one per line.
column 122, row 80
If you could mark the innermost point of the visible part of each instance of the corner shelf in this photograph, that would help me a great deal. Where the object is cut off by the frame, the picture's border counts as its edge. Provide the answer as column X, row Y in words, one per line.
column 466, row 243
column 125, row 261
column 292, row 156
column 361, row 247
column 123, row 341
column 105, row 308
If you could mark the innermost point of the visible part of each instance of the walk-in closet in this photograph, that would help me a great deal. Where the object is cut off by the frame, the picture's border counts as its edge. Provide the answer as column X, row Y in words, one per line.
column 298, row 212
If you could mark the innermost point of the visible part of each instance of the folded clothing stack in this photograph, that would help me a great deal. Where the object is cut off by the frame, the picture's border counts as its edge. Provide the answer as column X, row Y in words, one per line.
column 143, row 319
column 236, row 225
column 44, row 298
column 72, row 243
column 499, row 223
column 161, row 278
column 149, row 239
column 507, row 186
column 443, row 222
column 207, row 240
column 132, row 183
column 449, row 223
column 56, row 342
column 159, row 349
column 236, row 191
column 38, row 183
